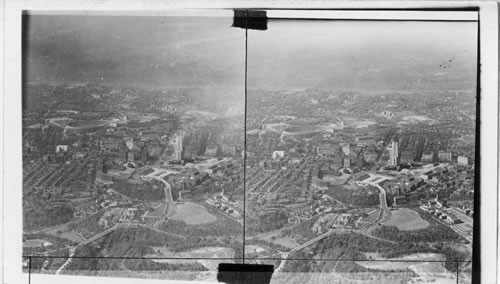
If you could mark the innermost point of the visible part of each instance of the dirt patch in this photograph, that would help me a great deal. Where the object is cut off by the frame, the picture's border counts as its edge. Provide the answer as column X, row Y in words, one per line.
column 219, row 254
column 427, row 271
column 403, row 262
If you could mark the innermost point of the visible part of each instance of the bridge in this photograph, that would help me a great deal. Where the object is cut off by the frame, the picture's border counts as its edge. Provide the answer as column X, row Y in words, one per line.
column 308, row 243
column 72, row 250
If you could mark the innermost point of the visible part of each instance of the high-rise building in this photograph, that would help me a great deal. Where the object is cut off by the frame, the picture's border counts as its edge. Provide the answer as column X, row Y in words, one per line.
column 178, row 150
column 346, row 149
column 347, row 162
column 444, row 156
column 393, row 159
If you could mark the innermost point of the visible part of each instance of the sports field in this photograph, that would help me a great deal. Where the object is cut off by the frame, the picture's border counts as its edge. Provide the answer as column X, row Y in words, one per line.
column 406, row 219
column 193, row 214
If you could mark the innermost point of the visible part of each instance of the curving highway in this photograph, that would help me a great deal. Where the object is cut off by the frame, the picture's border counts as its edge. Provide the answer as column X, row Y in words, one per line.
column 385, row 212
column 170, row 207
column 169, row 201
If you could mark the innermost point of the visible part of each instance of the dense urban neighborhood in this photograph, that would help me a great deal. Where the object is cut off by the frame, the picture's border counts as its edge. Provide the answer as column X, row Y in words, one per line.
column 114, row 161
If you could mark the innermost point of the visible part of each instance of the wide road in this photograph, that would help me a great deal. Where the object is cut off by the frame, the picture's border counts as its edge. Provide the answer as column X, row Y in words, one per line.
column 308, row 243
column 101, row 234
column 71, row 254
column 170, row 207
column 385, row 212
column 170, row 204
column 322, row 236
column 72, row 250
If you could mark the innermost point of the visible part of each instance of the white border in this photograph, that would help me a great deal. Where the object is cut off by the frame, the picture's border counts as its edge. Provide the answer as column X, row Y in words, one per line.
column 12, row 163
column 489, row 141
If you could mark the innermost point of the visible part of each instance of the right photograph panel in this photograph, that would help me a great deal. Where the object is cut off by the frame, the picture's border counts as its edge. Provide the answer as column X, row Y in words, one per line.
column 360, row 144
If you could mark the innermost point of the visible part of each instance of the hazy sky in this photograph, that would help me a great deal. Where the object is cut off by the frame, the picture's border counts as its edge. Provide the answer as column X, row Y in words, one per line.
column 373, row 54
column 208, row 52
column 156, row 51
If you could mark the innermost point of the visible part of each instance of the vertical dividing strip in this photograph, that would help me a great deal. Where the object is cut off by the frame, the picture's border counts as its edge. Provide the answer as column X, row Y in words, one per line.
column 29, row 269
column 245, row 137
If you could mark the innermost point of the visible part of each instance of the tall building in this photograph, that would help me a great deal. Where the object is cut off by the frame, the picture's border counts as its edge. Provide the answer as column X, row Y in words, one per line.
column 347, row 162
column 346, row 149
column 178, row 150
column 444, row 156
column 393, row 159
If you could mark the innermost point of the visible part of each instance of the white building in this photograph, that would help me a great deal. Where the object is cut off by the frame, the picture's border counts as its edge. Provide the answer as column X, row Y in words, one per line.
column 61, row 148
column 278, row 154
column 393, row 152
column 346, row 149
column 427, row 157
column 462, row 160
column 129, row 143
column 176, row 141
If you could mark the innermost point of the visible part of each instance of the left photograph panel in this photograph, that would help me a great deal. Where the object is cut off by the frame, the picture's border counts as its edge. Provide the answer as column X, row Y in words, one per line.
column 133, row 132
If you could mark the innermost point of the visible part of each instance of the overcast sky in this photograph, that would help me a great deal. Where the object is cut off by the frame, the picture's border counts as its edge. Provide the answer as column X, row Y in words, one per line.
column 169, row 51
column 364, row 55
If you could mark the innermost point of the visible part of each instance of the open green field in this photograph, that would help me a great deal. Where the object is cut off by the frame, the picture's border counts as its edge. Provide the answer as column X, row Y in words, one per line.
column 64, row 232
column 277, row 239
column 406, row 219
column 33, row 243
column 193, row 214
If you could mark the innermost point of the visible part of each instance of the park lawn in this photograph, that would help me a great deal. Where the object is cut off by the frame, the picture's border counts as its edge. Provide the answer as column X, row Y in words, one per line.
column 193, row 214
column 406, row 219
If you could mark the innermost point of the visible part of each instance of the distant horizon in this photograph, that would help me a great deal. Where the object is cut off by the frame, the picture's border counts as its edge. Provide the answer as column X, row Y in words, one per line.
column 206, row 52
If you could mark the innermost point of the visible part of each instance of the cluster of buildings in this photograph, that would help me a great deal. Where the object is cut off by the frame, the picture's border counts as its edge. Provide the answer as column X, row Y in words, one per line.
column 147, row 146
column 122, row 215
column 441, row 211
column 86, row 210
column 300, row 216
column 334, row 221
column 325, row 203
column 222, row 202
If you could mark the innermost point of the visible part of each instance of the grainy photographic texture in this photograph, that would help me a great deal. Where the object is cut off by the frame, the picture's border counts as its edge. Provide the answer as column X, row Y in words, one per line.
column 339, row 151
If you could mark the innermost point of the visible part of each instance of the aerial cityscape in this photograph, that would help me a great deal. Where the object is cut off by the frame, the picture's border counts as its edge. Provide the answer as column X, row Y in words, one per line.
column 346, row 157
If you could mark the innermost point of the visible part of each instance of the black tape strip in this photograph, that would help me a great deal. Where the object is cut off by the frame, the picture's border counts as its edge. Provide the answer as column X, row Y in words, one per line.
column 232, row 273
column 250, row 19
